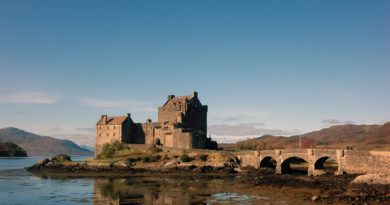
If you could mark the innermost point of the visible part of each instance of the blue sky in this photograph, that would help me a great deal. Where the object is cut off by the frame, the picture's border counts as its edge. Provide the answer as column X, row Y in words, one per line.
column 278, row 67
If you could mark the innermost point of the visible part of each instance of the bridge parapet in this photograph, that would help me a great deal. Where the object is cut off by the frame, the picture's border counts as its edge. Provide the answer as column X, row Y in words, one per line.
column 292, row 151
column 263, row 152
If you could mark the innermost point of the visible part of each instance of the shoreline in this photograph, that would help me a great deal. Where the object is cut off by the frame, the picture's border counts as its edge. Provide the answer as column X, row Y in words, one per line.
column 335, row 189
column 324, row 189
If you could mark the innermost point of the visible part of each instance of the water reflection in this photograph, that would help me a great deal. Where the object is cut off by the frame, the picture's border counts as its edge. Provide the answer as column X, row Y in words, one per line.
column 177, row 191
column 148, row 191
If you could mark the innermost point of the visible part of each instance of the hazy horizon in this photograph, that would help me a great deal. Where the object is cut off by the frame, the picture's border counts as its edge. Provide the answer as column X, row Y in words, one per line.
column 262, row 67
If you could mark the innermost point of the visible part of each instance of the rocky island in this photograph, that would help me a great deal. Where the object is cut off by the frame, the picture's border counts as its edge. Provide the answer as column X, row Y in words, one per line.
column 9, row 149
column 120, row 160
column 177, row 146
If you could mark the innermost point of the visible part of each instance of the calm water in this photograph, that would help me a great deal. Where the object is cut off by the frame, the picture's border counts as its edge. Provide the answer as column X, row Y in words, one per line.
column 20, row 187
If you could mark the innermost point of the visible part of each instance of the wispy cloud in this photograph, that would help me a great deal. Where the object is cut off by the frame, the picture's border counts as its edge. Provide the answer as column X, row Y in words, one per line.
column 116, row 104
column 56, row 129
column 230, row 115
column 86, row 129
column 80, row 139
column 336, row 122
column 247, row 129
column 30, row 98
column 231, row 119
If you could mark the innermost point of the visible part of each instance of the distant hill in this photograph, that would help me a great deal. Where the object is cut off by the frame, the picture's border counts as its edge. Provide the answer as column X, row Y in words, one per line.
column 92, row 149
column 360, row 137
column 36, row 145
column 9, row 149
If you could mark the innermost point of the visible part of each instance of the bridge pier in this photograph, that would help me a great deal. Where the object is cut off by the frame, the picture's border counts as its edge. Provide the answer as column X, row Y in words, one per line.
column 340, row 161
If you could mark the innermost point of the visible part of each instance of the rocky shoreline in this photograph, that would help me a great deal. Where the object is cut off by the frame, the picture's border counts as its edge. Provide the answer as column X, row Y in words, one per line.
column 341, row 189
column 63, row 166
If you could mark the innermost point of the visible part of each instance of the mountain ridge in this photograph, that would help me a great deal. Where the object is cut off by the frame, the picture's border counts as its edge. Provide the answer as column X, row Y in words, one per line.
column 37, row 145
column 360, row 137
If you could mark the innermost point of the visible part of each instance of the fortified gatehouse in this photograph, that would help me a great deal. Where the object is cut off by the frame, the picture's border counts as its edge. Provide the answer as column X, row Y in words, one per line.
column 182, row 123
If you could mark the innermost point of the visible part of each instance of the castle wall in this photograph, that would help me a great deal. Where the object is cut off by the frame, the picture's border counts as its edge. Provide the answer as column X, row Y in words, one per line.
column 107, row 134
column 182, row 123
column 167, row 114
column 137, row 134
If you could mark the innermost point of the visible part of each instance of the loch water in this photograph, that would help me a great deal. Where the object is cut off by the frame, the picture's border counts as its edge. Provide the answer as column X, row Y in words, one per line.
column 17, row 186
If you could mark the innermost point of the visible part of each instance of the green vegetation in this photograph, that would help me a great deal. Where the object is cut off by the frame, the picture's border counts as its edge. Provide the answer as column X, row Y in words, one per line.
column 117, row 151
column 138, row 155
column 61, row 158
column 109, row 150
column 185, row 158
column 203, row 157
column 153, row 158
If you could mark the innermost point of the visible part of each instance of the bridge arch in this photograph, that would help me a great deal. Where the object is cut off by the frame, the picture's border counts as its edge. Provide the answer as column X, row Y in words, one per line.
column 294, row 165
column 268, row 162
column 325, row 165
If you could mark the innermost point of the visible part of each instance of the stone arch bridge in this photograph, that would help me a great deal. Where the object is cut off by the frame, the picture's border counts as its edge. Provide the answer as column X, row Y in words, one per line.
column 348, row 161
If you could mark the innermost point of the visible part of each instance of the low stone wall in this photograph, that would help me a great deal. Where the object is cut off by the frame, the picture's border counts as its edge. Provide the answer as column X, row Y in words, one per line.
column 363, row 162
column 249, row 160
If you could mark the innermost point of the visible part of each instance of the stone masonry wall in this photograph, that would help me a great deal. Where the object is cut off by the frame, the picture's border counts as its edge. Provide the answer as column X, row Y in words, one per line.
column 107, row 134
column 362, row 162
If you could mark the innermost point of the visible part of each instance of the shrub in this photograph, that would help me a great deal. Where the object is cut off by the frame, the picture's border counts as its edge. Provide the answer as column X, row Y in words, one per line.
column 203, row 157
column 146, row 159
column 61, row 158
column 131, row 160
column 109, row 150
column 185, row 158
column 153, row 158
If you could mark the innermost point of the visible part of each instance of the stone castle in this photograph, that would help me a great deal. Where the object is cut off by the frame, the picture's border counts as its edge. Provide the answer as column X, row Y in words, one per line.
column 182, row 123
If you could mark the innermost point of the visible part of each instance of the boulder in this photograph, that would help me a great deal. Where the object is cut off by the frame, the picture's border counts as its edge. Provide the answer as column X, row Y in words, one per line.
column 61, row 157
column 379, row 179
column 42, row 162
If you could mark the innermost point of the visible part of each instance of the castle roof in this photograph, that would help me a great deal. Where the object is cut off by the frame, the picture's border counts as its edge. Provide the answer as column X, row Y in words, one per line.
column 179, row 99
column 113, row 120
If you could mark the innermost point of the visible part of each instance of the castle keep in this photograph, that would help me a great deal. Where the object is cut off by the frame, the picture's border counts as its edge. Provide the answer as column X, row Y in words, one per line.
column 182, row 123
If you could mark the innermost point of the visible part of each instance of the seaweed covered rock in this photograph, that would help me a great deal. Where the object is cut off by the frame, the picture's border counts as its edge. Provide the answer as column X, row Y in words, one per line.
column 61, row 158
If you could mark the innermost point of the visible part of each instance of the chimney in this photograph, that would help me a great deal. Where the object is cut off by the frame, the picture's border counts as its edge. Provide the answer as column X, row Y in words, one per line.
column 128, row 115
column 170, row 97
column 104, row 119
column 195, row 94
